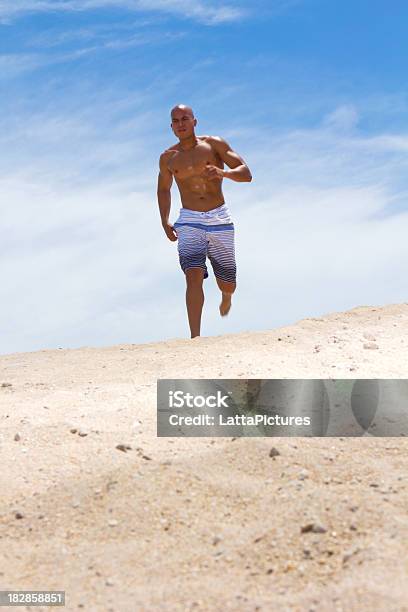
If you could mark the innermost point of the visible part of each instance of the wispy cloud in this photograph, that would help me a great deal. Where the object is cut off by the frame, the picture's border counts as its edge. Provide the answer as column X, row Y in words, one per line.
column 205, row 12
column 15, row 64
column 52, row 37
column 343, row 118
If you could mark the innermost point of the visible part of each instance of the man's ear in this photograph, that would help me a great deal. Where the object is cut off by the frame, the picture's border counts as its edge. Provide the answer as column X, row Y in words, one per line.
column 195, row 122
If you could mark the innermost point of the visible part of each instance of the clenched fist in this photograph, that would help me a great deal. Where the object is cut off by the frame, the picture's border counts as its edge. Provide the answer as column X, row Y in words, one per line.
column 212, row 172
column 170, row 232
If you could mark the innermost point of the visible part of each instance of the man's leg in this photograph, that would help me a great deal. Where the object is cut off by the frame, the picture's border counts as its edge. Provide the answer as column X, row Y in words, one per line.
column 194, row 299
column 192, row 253
column 221, row 253
column 227, row 289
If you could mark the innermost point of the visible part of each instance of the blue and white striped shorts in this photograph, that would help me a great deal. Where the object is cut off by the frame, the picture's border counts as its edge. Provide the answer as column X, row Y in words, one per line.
column 207, row 234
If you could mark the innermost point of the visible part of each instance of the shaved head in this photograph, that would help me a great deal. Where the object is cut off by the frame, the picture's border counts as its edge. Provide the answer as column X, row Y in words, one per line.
column 182, row 107
column 183, row 122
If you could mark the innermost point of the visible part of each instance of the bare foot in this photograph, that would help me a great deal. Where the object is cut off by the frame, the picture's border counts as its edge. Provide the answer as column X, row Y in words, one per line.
column 225, row 304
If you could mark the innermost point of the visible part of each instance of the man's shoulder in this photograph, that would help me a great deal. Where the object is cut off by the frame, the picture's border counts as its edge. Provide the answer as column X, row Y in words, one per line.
column 214, row 141
column 169, row 152
column 212, row 138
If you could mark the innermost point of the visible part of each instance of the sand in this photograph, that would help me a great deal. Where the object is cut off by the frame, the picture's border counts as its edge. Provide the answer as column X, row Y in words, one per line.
column 199, row 523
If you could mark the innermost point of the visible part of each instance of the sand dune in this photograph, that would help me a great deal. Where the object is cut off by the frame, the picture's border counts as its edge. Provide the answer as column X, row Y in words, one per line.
column 202, row 524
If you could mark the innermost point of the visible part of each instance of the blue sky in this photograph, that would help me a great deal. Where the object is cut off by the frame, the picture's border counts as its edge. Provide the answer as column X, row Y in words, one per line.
column 311, row 93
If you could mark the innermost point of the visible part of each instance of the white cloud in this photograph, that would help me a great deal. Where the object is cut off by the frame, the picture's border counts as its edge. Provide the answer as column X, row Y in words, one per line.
column 343, row 118
column 203, row 11
column 15, row 64
column 209, row 13
column 390, row 143
column 100, row 33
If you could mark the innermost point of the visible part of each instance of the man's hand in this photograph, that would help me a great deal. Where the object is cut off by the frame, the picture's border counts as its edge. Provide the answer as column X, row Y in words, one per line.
column 213, row 173
column 170, row 232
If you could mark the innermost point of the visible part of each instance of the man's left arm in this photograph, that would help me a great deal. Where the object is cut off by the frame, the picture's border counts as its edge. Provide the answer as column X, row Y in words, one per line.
column 239, row 171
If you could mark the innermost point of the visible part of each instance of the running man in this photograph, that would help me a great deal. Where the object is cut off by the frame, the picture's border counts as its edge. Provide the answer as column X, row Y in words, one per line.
column 204, row 227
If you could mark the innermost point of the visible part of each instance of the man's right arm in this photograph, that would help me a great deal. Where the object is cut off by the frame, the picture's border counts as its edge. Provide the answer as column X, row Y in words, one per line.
column 164, row 183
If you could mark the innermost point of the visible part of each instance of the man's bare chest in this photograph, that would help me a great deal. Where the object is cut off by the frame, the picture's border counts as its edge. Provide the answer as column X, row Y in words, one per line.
column 185, row 164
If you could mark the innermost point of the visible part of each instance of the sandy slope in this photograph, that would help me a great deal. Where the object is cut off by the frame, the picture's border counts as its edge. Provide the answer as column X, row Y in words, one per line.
column 201, row 524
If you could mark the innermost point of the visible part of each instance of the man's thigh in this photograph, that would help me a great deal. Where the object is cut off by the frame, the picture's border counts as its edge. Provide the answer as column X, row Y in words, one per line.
column 192, row 247
column 221, row 252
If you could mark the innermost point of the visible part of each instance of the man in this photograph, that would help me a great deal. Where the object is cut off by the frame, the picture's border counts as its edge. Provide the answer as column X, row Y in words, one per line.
column 204, row 227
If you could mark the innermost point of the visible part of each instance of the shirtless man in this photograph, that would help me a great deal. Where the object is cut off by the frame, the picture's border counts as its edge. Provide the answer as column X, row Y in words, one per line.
column 204, row 227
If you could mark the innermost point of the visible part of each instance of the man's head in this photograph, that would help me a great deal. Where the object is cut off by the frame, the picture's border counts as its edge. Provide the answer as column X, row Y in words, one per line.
column 183, row 121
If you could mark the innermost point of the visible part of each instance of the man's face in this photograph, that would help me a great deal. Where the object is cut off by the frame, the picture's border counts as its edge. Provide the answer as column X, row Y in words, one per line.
column 183, row 123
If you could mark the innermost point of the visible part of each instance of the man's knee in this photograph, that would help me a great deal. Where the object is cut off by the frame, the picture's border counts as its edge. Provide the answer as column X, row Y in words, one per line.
column 226, row 286
column 194, row 276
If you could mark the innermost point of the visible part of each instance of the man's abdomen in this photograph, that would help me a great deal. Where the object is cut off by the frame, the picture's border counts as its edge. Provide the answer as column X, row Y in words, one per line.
column 203, row 199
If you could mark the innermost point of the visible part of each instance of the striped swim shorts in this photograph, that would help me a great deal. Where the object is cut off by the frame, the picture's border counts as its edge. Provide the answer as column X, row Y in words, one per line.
column 207, row 234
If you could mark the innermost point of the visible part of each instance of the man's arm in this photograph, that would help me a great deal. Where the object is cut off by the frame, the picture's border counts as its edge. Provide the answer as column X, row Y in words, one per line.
column 164, row 183
column 239, row 170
